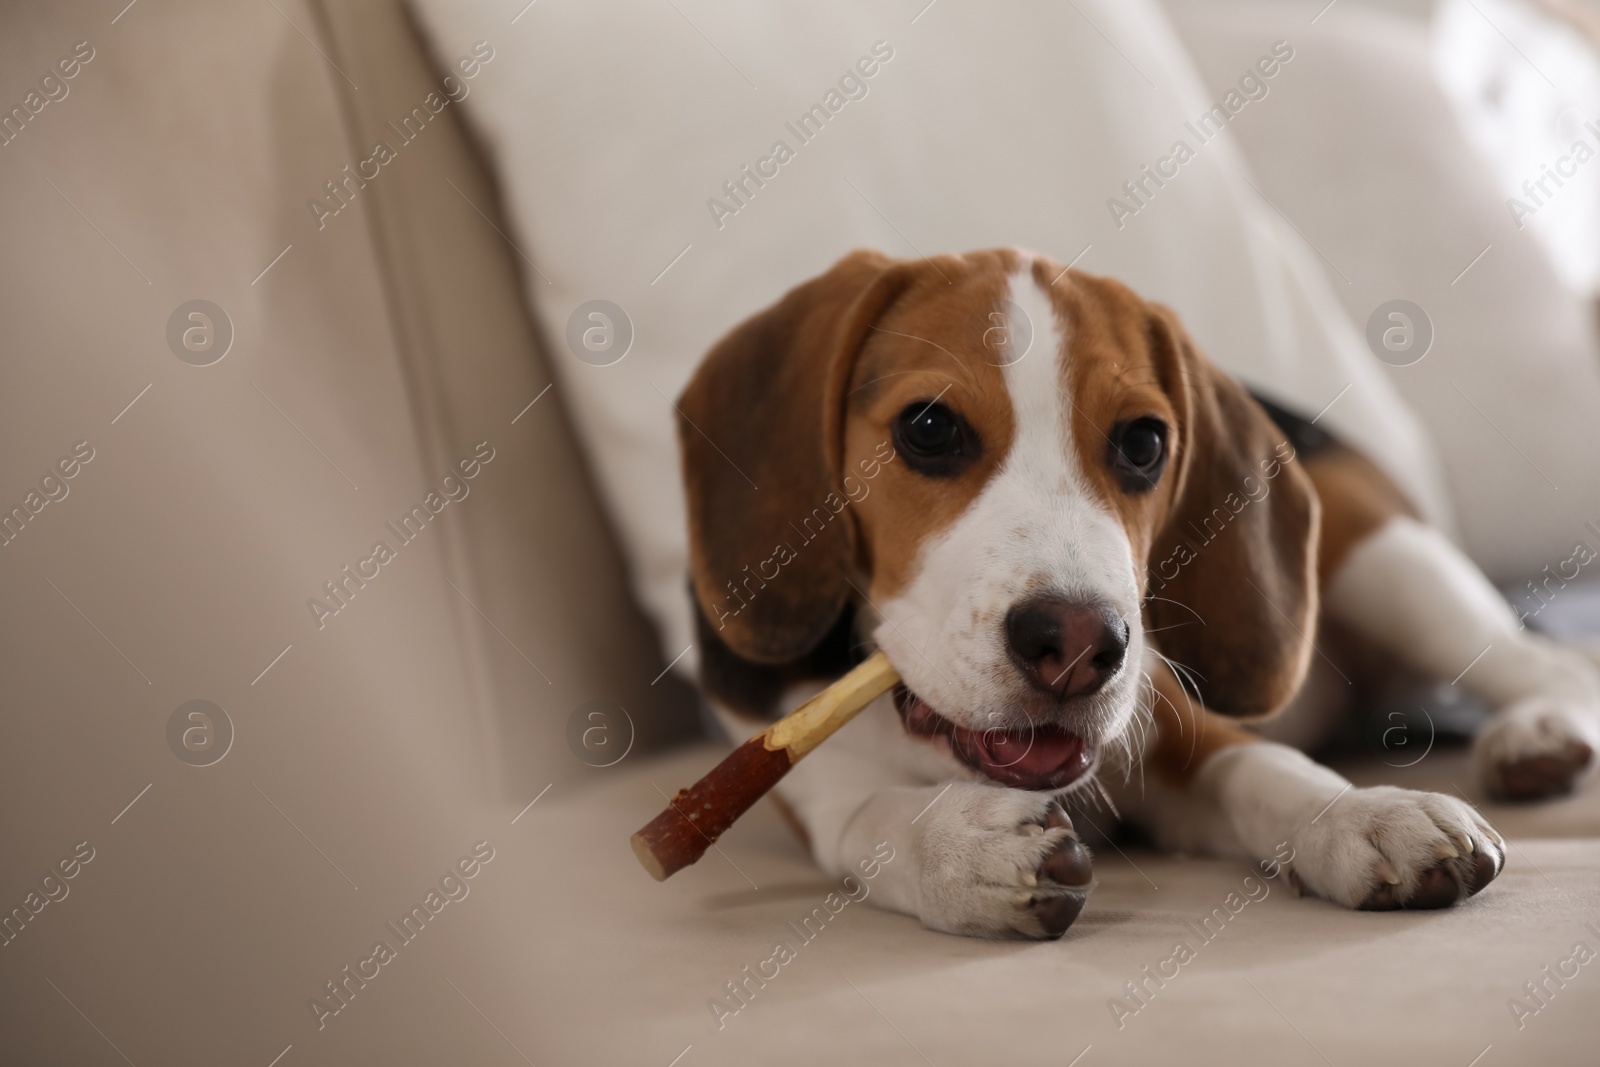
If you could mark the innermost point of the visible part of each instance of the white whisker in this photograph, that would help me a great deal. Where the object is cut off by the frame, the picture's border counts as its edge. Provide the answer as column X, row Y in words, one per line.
column 1185, row 607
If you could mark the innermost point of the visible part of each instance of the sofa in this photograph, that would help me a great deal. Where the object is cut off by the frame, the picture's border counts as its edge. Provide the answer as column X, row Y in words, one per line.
column 333, row 692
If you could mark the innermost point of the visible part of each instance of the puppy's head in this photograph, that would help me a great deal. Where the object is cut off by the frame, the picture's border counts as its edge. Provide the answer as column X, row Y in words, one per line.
column 1022, row 478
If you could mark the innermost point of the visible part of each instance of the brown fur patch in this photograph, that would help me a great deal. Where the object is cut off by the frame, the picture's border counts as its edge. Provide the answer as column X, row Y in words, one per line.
column 759, row 425
column 925, row 348
column 1110, row 377
column 1186, row 733
column 1358, row 499
column 1239, row 602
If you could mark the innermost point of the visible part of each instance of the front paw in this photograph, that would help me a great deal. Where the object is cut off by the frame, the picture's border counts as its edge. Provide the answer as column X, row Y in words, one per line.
column 1000, row 863
column 1536, row 748
column 1385, row 848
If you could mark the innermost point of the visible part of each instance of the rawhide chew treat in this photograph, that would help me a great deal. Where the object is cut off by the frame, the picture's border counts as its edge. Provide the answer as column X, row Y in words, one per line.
column 699, row 815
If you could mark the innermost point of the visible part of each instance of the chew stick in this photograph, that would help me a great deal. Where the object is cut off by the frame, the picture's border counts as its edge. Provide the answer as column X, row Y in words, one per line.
column 699, row 815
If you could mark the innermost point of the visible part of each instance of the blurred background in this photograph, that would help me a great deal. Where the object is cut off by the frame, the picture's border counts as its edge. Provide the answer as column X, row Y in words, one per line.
column 341, row 557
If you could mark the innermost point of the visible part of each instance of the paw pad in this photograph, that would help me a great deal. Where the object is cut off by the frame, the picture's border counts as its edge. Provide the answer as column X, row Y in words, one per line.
column 1067, row 865
column 1545, row 775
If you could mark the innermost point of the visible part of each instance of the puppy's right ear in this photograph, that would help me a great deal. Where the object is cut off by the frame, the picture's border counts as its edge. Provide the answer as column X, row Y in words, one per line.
column 761, row 430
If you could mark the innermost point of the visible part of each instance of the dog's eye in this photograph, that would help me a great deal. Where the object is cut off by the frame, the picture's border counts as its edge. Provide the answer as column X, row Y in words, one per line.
column 933, row 439
column 1138, row 453
column 929, row 429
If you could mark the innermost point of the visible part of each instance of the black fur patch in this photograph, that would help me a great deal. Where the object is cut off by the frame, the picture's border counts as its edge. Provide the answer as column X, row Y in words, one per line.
column 1306, row 438
column 754, row 688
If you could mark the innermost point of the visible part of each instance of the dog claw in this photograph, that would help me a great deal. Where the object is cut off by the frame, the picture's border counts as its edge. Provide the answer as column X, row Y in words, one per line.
column 1485, row 868
column 1057, row 889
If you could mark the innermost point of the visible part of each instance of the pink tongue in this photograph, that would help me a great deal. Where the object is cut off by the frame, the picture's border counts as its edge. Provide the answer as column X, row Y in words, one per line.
column 1041, row 759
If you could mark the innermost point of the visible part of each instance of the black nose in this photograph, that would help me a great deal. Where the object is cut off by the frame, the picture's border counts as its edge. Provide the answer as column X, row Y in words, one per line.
column 1065, row 648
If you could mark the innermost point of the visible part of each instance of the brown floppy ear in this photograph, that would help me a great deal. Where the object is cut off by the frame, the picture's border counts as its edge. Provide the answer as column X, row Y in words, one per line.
column 1232, row 581
column 761, row 430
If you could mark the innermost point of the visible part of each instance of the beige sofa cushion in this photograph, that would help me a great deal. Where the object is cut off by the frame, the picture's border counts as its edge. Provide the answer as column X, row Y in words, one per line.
column 1285, row 981
column 1363, row 150
column 541, row 557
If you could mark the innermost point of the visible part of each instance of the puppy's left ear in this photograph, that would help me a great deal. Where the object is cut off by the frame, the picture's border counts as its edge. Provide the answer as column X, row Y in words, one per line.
column 1232, row 584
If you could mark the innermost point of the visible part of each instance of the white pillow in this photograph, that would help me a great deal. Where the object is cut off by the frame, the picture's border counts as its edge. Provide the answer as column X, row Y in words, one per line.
column 1526, row 88
column 613, row 128
column 1359, row 145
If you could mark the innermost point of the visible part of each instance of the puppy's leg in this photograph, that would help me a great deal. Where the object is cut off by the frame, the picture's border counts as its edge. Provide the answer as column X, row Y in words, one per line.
column 1212, row 786
column 965, row 857
column 1406, row 586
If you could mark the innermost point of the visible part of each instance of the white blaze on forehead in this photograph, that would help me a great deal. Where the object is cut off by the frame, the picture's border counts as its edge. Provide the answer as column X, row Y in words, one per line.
column 1035, row 529
column 1082, row 551
column 1040, row 400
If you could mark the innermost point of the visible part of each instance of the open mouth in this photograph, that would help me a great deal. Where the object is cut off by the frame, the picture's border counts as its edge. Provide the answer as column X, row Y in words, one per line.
column 1038, row 757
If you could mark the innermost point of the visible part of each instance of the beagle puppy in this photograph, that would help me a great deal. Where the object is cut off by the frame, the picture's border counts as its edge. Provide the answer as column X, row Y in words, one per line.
column 1093, row 558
